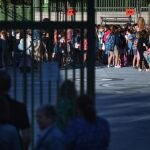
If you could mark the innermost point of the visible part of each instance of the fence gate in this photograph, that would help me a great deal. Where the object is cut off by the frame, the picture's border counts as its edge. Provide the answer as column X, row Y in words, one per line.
column 33, row 31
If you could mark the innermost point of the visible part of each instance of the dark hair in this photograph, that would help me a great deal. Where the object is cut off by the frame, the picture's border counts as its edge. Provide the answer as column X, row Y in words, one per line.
column 5, row 81
column 129, row 30
column 49, row 111
column 86, row 108
column 46, row 20
column 135, row 24
column 148, row 44
column 68, row 90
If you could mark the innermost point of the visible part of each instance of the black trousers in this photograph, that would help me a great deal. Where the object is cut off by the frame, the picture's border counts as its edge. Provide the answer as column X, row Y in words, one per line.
column 142, row 58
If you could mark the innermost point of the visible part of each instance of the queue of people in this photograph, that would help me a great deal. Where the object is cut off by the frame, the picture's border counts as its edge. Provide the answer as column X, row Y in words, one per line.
column 115, row 45
column 124, row 46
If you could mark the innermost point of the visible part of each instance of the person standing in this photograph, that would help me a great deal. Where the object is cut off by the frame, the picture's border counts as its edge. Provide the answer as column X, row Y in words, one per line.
column 87, row 131
column 17, row 115
column 142, row 41
column 66, row 104
column 3, row 49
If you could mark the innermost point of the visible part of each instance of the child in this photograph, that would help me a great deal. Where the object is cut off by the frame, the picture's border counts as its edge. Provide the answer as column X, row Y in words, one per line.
column 135, row 62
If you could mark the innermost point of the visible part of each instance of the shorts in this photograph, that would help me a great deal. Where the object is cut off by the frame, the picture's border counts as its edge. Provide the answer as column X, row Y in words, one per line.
column 134, row 51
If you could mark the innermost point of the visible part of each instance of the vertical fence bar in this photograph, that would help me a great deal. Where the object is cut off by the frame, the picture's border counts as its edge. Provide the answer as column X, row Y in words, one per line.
column 149, row 13
column 23, row 11
column 91, row 52
column 49, row 91
column 82, row 64
column 49, row 9
column 5, row 10
column 14, row 57
column 32, row 81
column 40, row 65
column 82, row 55
column 24, row 74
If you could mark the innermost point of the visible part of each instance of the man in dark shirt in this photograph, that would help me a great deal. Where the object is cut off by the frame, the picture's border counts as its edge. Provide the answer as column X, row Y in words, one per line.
column 17, row 115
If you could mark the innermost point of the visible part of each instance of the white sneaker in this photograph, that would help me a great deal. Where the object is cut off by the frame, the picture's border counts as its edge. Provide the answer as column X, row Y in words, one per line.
column 108, row 66
column 147, row 70
column 118, row 66
column 140, row 70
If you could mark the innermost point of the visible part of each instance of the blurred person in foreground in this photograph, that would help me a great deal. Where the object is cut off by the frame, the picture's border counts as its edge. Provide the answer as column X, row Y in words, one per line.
column 88, row 131
column 50, row 137
column 66, row 105
column 9, row 139
column 17, row 115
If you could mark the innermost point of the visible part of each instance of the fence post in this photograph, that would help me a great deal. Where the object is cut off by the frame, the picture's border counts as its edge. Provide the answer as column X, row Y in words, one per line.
column 149, row 13
column 91, row 50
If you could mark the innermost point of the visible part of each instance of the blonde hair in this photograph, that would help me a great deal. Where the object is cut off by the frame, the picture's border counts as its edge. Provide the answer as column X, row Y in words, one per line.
column 141, row 23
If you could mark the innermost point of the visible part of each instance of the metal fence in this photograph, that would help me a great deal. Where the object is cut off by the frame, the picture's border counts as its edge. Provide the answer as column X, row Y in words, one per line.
column 49, row 9
column 39, row 83
column 145, row 12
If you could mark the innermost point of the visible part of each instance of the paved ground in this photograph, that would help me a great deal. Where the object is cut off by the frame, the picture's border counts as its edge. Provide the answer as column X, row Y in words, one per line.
column 122, row 97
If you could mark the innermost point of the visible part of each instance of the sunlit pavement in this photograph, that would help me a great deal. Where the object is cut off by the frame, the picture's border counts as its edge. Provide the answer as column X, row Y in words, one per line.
column 123, row 98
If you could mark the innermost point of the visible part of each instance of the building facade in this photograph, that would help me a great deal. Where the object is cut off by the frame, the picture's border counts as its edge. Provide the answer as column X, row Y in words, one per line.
column 57, row 11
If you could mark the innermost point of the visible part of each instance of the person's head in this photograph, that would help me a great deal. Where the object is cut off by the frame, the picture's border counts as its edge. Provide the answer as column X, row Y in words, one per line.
column 86, row 108
column 5, row 81
column 148, row 46
column 113, row 29
column 46, row 116
column 135, row 27
column 68, row 90
column 100, row 28
column 141, row 23
column 128, row 32
column 106, row 27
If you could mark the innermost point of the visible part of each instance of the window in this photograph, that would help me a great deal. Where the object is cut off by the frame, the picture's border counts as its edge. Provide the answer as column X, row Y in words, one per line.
column 45, row 2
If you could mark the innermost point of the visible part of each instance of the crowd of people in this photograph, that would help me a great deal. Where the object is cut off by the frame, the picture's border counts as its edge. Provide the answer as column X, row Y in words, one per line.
column 122, row 46
column 115, row 45
column 72, row 124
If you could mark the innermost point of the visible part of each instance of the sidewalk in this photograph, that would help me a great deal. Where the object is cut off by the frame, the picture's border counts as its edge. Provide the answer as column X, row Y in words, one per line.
column 123, row 98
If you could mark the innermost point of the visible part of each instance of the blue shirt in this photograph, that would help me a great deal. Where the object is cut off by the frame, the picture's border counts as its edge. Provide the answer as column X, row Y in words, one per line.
column 9, row 138
column 50, row 139
column 110, row 43
column 83, row 135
